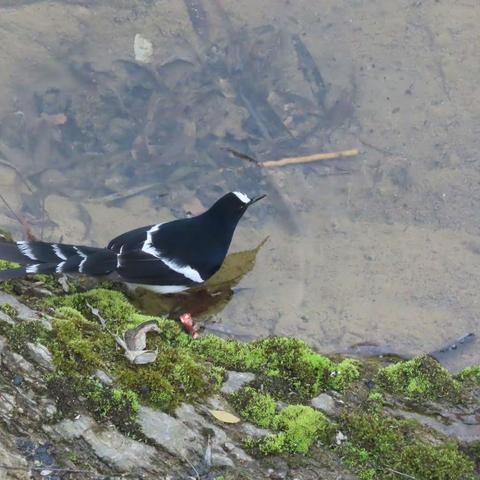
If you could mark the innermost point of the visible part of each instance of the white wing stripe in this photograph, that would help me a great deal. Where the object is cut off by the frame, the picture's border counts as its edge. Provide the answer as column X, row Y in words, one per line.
column 58, row 252
column 148, row 243
column 84, row 259
column 24, row 247
column 186, row 271
column 59, row 267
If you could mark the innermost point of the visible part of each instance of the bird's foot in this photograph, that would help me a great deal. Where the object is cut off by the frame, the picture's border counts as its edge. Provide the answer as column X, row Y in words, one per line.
column 187, row 322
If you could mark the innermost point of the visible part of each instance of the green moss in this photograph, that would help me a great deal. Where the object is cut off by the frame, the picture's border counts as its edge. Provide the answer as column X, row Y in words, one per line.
column 6, row 265
column 175, row 376
column 78, row 345
column 24, row 332
column 82, row 346
column 297, row 428
column 9, row 310
column 421, row 378
column 105, row 403
column 272, row 444
column 8, row 285
column 375, row 397
column 230, row 354
column 218, row 375
column 470, row 375
column 285, row 366
column 436, row 462
column 378, row 446
column 302, row 427
column 112, row 306
column 257, row 407
column 344, row 374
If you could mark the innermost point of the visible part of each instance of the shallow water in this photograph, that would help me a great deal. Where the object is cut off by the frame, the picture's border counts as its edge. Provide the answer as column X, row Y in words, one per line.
column 376, row 253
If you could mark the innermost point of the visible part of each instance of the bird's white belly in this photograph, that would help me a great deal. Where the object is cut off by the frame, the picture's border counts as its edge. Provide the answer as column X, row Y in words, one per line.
column 158, row 288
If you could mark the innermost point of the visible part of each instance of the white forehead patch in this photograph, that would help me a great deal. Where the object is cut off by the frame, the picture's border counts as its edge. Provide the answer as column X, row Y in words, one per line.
column 242, row 197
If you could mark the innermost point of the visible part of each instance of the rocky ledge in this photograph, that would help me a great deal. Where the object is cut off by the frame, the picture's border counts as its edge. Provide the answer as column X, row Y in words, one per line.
column 72, row 405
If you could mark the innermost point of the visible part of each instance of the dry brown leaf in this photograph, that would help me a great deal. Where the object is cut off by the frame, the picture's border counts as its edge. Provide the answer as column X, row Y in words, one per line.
column 224, row 417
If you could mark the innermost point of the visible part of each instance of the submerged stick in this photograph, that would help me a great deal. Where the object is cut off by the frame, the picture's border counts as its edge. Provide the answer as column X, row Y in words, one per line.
column 310, row 158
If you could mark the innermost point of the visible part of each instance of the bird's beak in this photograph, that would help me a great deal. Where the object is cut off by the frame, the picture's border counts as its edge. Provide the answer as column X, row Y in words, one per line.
column 255, row 199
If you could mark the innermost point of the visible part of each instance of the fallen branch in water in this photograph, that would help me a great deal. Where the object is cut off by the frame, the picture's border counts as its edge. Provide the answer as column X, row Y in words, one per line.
column 309, row 158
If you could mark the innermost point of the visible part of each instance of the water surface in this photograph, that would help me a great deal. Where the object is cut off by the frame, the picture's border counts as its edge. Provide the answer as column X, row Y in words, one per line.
column 379, row 252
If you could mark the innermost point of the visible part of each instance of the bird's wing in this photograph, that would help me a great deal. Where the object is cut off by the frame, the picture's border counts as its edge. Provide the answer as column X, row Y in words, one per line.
column 138, row 266
column 131, row 240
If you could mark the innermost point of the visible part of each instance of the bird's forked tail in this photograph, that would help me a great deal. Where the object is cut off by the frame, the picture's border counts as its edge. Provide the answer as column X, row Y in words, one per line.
column 43, row 257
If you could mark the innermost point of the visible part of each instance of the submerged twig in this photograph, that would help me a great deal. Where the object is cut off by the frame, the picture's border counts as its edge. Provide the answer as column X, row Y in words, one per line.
column 241, row 155
column 310, row 158
column 125, row 194
column 26, row 227
column 7, row 164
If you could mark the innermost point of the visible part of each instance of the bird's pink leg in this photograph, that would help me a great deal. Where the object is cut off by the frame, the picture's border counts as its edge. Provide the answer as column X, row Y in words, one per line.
column 187, row 322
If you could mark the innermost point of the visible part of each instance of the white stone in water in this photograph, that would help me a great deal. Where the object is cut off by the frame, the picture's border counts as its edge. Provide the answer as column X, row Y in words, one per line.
column 143, row 49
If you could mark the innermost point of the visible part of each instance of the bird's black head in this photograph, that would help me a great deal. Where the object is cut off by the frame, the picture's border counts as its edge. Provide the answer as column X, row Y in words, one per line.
column 212, row 231
column 232, row 206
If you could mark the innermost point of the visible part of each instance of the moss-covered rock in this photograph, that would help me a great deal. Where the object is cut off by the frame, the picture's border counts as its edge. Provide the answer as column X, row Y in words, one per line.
column 9, row 310
column 470, row 375
column 297, row 428
column 113, row 306
column 23, row 332
column 257, row 407
column 285, row 366
column 81, row 344
column 105, row 403
column 302, row 427
column 421, row 378
column 7, row 285
column 379, row 446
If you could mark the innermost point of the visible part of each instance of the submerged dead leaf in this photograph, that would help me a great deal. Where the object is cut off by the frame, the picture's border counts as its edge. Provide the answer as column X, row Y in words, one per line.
column 224, row 416
column 210, row 298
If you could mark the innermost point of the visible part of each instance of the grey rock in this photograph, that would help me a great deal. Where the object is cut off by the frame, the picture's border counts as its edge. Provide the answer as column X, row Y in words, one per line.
column 216, row 402
column 3, row 344
column 103, row 377
column 17, row 468
column 236, row 380
column 253, row 431
column 16, row 363
column 48, row 407
column 7, row 404
column 6, row 318
column 24, row 313
column 170, row 433
column 325, row 403
column 41, row 355
column 109, row 445
column 190, row 417
column 280, row 472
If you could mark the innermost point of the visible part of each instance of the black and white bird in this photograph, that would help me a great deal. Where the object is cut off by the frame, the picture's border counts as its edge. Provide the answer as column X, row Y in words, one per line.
column 165, row 257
